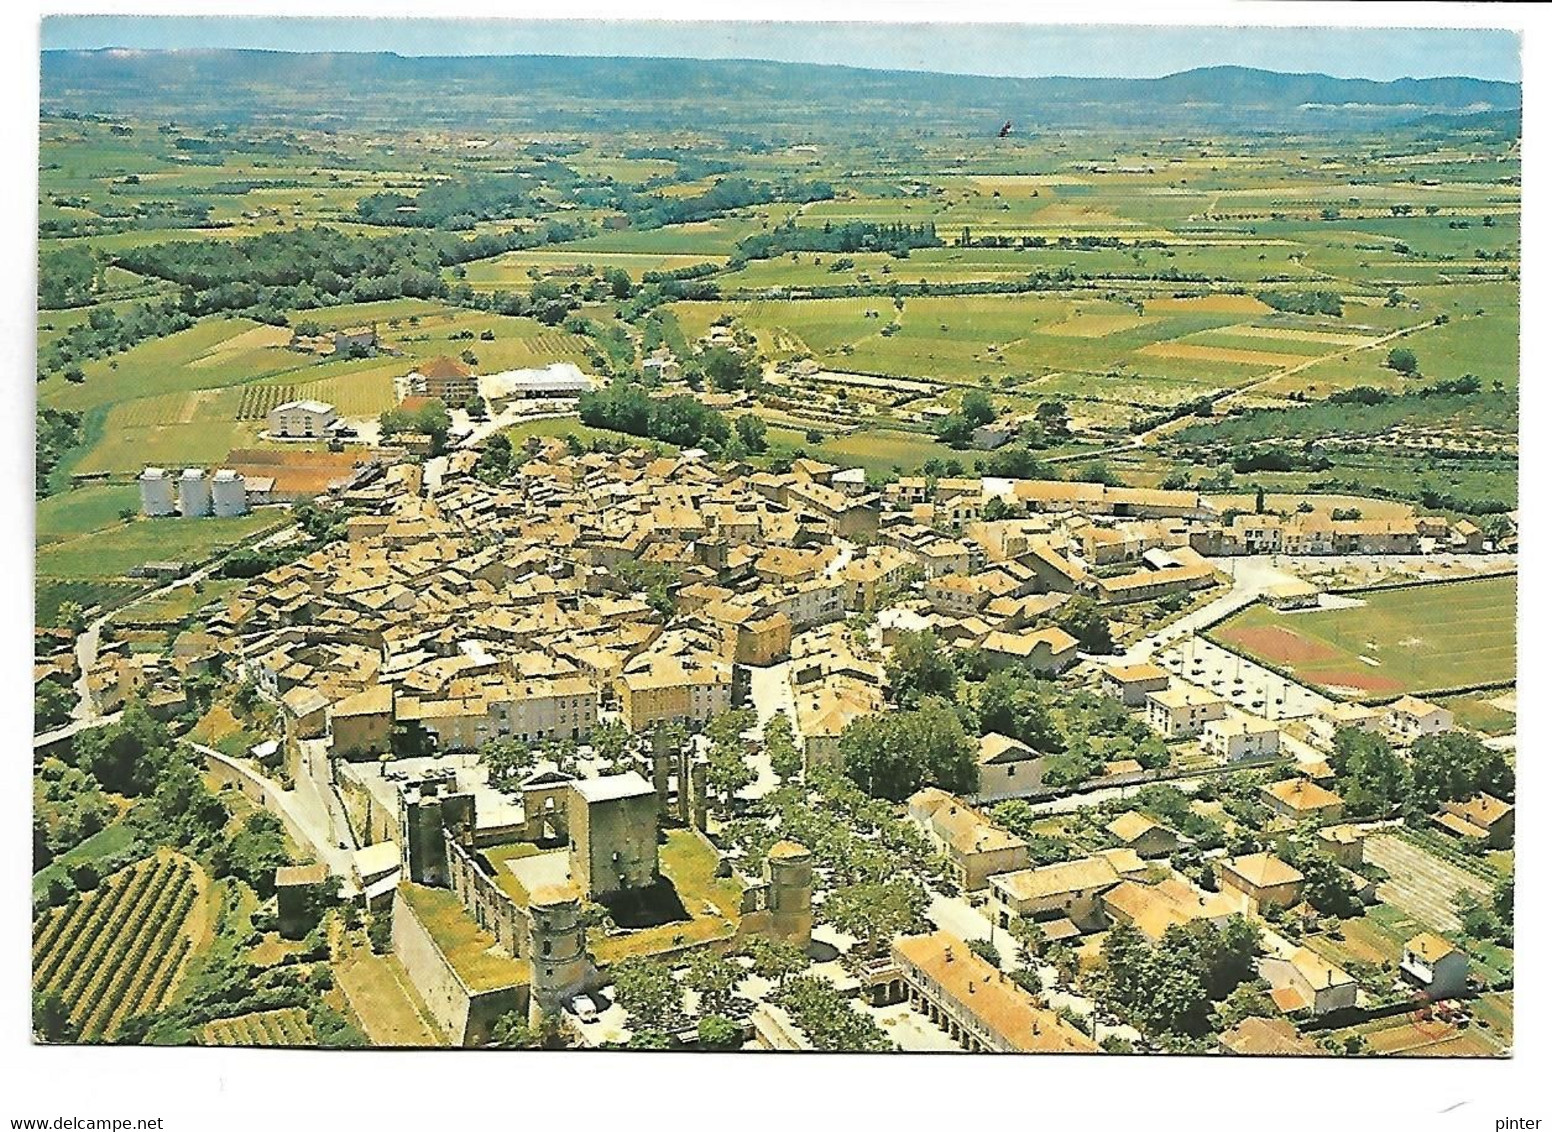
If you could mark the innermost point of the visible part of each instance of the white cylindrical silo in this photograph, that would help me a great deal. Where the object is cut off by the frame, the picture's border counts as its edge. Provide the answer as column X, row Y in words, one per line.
column 193, row 493
column 156, row 492
column 228, row 494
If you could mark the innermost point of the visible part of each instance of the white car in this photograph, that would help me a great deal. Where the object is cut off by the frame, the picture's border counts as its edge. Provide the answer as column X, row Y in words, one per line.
column 582, row 1006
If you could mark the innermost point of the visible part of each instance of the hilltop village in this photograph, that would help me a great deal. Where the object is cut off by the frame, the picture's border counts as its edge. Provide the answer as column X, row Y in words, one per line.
column 617, row 747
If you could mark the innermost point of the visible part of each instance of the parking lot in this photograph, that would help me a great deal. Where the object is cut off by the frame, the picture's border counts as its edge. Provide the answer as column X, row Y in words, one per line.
column 1243, row 683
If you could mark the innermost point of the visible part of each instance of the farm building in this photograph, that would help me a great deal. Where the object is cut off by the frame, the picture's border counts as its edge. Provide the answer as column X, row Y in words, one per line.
column 301, row 419
column 448, row 381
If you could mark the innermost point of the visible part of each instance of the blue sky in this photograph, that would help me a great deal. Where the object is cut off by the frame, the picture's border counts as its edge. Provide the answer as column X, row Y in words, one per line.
column 988, row 49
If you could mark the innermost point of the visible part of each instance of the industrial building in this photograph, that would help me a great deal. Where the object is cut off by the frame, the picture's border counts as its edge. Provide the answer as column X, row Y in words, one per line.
column 194, row 494
column 156, row 493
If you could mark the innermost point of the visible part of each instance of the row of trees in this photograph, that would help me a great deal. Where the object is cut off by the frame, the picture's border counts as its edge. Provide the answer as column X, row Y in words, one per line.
column 1375, row 780
column 680, row 420
column 859, row 236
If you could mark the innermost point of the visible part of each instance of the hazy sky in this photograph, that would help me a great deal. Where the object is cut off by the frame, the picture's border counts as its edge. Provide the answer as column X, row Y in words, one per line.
column 987, row 49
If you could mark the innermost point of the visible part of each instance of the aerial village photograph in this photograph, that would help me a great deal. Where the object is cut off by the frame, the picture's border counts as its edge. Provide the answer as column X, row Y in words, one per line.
column 817, row 539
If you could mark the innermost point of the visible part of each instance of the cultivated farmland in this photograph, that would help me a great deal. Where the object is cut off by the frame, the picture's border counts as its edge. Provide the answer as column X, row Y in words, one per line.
column 284, row 1027
column 118, row 950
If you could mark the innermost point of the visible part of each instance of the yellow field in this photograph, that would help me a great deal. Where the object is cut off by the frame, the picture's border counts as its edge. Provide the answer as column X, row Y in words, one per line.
column 1191, row 352
column 362, row 394
column 1289, row 334
column 1095, row 325
column 257, row 338
column 1208, row 304
column 1080, row 216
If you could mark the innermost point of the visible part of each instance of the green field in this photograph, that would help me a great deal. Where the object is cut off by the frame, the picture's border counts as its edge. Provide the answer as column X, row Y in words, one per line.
column 84, row 510
column 1416, row 639
column 113, row 553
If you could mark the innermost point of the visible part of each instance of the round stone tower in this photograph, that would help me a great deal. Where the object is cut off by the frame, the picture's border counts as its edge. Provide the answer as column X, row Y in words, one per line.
column 789, row 868
column 557, row 948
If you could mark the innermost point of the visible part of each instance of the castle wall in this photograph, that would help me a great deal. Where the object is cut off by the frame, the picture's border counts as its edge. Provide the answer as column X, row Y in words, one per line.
column 465, row 1017
column 491, row 908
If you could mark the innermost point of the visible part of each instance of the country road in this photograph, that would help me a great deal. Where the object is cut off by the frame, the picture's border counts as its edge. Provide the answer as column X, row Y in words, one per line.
column 89, row 640
column 305, row 813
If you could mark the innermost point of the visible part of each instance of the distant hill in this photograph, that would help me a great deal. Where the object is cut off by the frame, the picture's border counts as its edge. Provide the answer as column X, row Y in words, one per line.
column 773, row 99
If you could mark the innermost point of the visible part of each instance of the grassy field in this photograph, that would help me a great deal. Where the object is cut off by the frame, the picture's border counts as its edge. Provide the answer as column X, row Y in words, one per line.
column 104, row 843
column 465, row 944
column 176, row 606
column 1416, row 639
column 113, row 553
column 84, row 510
column 691, row 867
column 50, row 593
column 381, row 995
column 1479, row 711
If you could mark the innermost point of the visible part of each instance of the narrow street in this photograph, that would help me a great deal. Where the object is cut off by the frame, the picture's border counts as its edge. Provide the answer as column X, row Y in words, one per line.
column 304, row 812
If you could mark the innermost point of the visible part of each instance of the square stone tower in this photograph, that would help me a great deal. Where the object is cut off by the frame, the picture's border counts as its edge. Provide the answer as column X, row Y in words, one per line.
column 612, row 828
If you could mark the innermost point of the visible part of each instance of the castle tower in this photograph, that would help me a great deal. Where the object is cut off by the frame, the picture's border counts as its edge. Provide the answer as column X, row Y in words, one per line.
column 557, row 948
column 789, row 870
column 661, row 760
column 682, row 778
column 424, row 848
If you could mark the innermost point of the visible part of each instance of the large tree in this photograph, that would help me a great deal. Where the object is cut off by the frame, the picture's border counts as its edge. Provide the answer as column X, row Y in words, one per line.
column 648, row 992
column 1372, row 777
column 1454, row 765
column 918, row 667
column 876, row 912
column 1083, row 618
column 892, row 754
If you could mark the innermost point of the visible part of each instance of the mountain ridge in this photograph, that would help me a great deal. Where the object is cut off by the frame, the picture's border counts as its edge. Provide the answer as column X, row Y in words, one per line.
column 550, row 90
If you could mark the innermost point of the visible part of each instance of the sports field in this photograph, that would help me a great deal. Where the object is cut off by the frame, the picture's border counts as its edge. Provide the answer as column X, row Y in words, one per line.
column 1418, row 639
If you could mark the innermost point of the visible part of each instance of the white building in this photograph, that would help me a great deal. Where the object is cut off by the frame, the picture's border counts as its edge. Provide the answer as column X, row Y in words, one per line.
column 1241, row 737
column 156, row 492
column 559, row 379
column 301, row 419
column 193, row 493
column 1412, row 718
column 1182, row 711
column 228, row 494
column 1436, row 965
